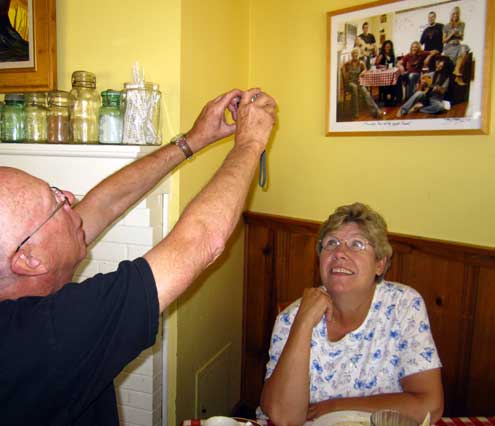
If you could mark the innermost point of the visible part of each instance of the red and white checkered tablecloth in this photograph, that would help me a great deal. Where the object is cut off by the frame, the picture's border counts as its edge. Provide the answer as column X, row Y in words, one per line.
column 466, row 421
column 384, row 77
column 444, row 421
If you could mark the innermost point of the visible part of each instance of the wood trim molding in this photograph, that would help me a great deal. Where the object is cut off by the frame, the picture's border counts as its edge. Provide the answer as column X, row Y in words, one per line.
column 469, row 253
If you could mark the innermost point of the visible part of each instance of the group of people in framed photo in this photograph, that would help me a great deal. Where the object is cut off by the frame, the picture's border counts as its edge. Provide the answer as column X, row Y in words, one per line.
column 435, row 63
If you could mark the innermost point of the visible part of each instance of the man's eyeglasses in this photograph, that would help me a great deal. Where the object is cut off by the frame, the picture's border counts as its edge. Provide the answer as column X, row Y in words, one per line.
column 61, row 200
column 354, row 244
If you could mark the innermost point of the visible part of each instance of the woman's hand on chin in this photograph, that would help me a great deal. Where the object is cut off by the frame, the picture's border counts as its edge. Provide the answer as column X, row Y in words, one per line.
column 314, row 304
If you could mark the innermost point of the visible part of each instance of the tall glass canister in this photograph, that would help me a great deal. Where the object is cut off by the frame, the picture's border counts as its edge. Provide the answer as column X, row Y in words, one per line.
column 58, row 130
column 111, row 119
column 142, row 114
column 13, row 118
column 35, row 116
column 85, row 106
column 1, row 115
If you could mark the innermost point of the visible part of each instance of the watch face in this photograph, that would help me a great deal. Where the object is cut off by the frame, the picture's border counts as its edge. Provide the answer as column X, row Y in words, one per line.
column 177, row 138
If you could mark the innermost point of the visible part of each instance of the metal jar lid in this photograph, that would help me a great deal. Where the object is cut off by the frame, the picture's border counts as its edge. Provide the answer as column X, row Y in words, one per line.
column 148, row 86
column 36, row 98
column 59, row 98
column 14, row 97
column 111, row 97
column 83, row 79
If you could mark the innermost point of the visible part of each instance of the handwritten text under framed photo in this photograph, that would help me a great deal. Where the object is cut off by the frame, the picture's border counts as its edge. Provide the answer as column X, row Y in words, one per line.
column 410, row 67
column 28, row 48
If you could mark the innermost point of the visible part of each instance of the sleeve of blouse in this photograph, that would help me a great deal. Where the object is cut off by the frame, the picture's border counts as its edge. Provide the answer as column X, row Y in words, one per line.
column 417, row 347
column 280, row 334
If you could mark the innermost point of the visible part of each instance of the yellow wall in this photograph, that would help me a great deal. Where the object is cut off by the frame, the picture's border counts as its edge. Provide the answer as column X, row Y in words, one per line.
column 439, row 187
column 214, row 59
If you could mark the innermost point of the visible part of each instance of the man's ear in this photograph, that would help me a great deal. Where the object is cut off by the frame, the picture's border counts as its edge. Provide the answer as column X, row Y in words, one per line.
column 24, row 262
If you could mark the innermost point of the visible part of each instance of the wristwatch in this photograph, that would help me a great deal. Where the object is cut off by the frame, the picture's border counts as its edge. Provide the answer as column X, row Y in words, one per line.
column 181, row 141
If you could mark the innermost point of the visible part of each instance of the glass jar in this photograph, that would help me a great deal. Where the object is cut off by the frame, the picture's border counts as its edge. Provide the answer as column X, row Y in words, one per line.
column 13, row 118
column 58, row 129
column 35, row 116
column 110, row 120
column 1, row 113
column 85, row 106
column 142, row 114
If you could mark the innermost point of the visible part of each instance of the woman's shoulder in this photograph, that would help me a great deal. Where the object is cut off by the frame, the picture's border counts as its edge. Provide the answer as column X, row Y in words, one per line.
column 287, row 313
column 397, row 290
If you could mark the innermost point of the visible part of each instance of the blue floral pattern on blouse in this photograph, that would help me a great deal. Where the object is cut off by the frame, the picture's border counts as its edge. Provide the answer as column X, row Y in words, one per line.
column 394, row 341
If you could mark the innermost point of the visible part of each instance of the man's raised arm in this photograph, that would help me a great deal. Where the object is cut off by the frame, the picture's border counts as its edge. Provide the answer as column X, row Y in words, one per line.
column 202, row 231
column 114, row 195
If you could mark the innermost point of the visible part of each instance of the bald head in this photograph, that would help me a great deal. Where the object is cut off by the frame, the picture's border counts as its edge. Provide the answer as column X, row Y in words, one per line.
column 45, row 262
column 22, row 196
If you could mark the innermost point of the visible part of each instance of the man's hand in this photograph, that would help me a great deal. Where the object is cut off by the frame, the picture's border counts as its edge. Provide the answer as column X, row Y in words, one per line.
column 211, row 124
column 255, row 119
column 315, row 302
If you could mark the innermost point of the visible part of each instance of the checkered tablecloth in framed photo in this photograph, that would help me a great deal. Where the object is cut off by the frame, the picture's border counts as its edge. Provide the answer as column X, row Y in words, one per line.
column 386, row 77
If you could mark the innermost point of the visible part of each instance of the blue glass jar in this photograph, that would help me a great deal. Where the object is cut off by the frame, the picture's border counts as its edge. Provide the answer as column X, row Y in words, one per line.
column 110, row 119
column 13, row 118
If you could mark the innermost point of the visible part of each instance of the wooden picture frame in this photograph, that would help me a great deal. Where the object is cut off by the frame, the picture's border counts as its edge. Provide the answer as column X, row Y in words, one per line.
column 43, row 75
column 465, row 104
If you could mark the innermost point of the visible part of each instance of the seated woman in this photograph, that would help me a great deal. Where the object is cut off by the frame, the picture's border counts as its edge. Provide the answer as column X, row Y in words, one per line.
column 453, row 34
column 351, row 71
column 412, row 64
column 357, row 342
column 429, row 96
column 386, row 58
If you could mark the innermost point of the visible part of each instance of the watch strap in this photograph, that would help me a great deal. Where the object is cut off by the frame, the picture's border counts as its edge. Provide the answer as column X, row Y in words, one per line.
column 181, row 141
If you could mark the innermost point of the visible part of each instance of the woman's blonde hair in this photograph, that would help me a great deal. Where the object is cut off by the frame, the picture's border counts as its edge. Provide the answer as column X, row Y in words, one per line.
column 457, row 10
column 370, row 222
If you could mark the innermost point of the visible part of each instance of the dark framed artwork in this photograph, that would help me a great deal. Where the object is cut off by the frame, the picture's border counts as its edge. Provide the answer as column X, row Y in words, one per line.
column 28, row 60
column 442, row 49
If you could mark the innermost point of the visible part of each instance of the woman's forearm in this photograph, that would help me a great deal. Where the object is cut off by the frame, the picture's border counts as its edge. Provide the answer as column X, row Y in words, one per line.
column 412, row 405
column 285, row 396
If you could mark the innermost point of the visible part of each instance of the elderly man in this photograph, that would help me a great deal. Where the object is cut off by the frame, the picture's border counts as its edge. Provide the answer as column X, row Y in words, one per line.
column 61, row 347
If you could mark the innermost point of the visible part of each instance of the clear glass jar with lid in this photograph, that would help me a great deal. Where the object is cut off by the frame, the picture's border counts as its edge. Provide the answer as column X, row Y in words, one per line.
column 85, row 106
column 110, row 120
column 35, row 116
column 142, row 113
column 58, row 129
column 13, row 118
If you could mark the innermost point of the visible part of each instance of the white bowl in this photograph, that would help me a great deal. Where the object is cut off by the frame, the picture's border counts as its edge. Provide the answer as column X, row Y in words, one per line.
column 221, row 421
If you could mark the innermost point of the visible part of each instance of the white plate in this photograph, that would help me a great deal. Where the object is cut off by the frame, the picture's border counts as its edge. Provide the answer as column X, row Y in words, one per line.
column 344, row 418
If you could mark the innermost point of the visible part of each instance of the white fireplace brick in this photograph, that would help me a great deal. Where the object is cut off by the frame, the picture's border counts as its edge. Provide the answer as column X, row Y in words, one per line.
column 143, row 366
column 109, row 251
column 135, row 415
column 130, row 235
column 128, row 398
column 137, row 217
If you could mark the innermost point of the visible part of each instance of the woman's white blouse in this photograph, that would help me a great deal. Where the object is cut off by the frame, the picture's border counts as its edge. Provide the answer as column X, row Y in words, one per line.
column 394, row 341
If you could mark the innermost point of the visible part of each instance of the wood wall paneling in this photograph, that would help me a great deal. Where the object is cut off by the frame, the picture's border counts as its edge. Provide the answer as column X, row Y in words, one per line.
column 481, row 379
column 457, row 282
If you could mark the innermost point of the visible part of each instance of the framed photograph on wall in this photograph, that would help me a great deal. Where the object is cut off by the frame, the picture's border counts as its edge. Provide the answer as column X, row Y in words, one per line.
column 28, row 48
column 410, row 67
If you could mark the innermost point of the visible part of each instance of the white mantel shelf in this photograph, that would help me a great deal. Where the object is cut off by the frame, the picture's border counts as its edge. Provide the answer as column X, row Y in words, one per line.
column 77, row 150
